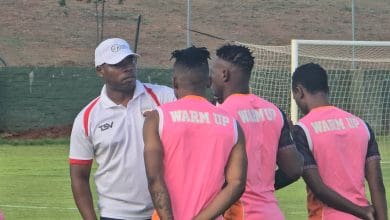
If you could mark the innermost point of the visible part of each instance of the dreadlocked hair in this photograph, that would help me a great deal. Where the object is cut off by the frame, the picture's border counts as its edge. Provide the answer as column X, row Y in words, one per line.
column 191, row 57
column 238, row 55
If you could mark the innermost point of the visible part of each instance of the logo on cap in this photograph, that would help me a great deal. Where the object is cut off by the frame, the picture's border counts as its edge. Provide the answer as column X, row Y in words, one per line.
column 117, row 47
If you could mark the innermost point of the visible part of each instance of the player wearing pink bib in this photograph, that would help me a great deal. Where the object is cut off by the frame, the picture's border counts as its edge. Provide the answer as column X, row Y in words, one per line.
column 193, row 148
column 340, row 151
column 267, row 133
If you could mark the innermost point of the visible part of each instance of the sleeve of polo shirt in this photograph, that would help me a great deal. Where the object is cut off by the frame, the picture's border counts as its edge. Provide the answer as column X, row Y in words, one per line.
column 372, row 149
column 81, row 148
column 300, row 140
column 285, row 139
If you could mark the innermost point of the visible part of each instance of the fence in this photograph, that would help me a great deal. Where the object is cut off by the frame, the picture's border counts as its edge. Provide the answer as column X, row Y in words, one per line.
column 52, row 96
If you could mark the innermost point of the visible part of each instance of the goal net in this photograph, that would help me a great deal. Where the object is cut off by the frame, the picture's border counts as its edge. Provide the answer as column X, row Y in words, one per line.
column 359, row 78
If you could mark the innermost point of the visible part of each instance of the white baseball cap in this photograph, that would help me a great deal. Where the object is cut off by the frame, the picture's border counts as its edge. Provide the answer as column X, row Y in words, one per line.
column 112, row 51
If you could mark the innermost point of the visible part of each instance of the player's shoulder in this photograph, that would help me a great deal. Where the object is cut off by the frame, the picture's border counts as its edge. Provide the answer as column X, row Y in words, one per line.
column 92, row 104
column 158, row 88
column 350, row 114
column 266, row 102
column 347, row 114
column 88, row 109
column 164, row 93
column 271, row 104
column 274, row 106
column 222, row 110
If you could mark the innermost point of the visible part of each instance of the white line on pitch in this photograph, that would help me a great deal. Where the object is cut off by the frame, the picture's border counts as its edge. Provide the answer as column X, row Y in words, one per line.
column 35, row 207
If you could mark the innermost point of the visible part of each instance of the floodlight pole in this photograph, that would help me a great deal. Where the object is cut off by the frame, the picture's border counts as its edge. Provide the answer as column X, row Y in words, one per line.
column 353, row 33
column 137, row 33
column 189, row 41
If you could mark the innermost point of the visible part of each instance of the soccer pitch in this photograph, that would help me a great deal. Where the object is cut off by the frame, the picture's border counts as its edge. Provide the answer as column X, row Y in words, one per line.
column 35, row 185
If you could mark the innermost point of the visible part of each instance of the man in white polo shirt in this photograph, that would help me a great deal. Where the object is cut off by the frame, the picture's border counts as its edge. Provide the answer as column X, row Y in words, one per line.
column 109, row 130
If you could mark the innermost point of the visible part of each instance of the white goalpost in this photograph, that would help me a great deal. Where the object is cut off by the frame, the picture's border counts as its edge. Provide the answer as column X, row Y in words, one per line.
column 359, row 78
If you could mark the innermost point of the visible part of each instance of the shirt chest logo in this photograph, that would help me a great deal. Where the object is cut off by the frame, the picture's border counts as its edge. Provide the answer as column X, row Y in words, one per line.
column 106, row 126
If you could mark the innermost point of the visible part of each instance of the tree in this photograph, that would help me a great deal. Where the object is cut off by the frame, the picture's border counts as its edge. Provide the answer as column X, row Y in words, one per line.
column 99, row 19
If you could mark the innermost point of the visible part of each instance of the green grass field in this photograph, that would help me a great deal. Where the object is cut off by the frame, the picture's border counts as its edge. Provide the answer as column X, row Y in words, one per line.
column 35, row 185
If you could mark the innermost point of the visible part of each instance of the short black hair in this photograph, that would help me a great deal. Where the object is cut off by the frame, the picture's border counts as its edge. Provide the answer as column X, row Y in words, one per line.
column 239, row 55
column 191, row 57
column 193, row 67
column 311, row 76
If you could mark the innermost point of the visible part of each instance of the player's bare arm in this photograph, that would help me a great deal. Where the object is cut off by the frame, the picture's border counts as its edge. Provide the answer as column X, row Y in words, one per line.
column 236, row 171
column 377, row 189
column 289, row 160
column 153, row 154
column 332, row 198
column 290, row 166
column 81, row 189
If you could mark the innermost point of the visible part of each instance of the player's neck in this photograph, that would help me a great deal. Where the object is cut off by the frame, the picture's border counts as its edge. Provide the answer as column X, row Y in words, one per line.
column 120, row 97
column 183, row 93
column 236, row 90
column 318, row 100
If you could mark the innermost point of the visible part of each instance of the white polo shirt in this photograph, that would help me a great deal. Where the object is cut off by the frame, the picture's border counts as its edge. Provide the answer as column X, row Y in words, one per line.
column 112, row 135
